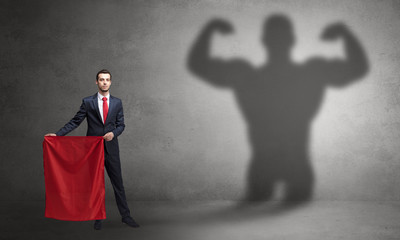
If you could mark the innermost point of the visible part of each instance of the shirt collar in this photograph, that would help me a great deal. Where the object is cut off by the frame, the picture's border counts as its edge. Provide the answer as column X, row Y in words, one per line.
column 99, row 96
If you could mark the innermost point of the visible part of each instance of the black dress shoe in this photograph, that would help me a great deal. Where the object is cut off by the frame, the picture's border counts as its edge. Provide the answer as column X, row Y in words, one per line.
column 130, row 222
column 97, row 224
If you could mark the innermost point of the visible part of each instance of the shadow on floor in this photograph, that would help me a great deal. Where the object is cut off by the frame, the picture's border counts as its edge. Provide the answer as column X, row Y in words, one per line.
column 213, row 220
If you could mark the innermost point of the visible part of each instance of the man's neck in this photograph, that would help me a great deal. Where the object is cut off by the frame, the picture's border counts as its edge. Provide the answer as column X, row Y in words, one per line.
column 104, row 94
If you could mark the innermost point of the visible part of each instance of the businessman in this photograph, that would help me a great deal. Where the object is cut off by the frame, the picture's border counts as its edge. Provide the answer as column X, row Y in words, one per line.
column 105, row 117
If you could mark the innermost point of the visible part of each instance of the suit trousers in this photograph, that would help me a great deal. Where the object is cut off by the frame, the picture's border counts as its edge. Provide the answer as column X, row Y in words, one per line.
column 113, row 167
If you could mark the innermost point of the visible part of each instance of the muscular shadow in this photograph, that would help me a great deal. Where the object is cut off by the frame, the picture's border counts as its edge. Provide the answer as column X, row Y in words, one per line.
column 279, row 100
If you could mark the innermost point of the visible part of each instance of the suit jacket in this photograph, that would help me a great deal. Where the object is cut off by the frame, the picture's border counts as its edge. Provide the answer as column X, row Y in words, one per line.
column 90, row 110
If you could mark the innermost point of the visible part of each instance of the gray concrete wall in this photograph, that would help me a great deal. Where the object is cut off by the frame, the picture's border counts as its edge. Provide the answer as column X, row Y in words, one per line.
column 186, row 138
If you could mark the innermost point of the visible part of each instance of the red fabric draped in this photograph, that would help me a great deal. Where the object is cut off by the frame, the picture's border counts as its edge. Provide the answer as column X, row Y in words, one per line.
column 74, row 178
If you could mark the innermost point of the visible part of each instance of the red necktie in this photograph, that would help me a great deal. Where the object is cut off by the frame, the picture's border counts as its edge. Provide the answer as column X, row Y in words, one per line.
column 105, row 109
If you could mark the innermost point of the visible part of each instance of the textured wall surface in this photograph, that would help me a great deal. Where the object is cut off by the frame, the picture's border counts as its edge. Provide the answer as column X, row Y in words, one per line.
column 334, row 131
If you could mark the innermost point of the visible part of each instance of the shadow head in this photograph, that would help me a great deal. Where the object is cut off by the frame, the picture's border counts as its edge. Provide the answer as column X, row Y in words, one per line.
column 278, row 36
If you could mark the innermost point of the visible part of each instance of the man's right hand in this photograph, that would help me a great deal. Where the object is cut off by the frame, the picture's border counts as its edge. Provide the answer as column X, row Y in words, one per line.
column 50, row 134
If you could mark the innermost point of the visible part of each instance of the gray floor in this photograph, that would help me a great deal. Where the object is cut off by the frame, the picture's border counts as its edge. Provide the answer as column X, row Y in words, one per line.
column 214, row 220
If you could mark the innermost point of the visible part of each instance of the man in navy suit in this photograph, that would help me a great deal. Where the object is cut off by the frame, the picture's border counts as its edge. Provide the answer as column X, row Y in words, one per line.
column 105, row 117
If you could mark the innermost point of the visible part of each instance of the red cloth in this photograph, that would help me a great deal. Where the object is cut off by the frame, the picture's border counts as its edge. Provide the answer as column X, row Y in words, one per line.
column 74, row 178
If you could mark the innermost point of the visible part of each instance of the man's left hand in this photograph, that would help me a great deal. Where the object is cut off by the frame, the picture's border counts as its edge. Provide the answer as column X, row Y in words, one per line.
column 108, row 136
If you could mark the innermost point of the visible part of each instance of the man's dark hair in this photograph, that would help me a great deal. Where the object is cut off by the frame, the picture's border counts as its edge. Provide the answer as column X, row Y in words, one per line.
column 102, row 71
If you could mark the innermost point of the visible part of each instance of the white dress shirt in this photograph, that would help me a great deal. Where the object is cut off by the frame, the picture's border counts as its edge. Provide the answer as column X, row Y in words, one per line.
column 100, row 101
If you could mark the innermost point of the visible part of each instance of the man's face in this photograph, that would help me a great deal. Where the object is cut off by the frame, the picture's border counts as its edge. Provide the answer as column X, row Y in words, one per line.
column 103, row 82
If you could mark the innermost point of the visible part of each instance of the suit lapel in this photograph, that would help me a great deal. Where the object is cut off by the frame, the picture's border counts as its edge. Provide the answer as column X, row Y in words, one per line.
column 111, row 107
column 95, row 104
